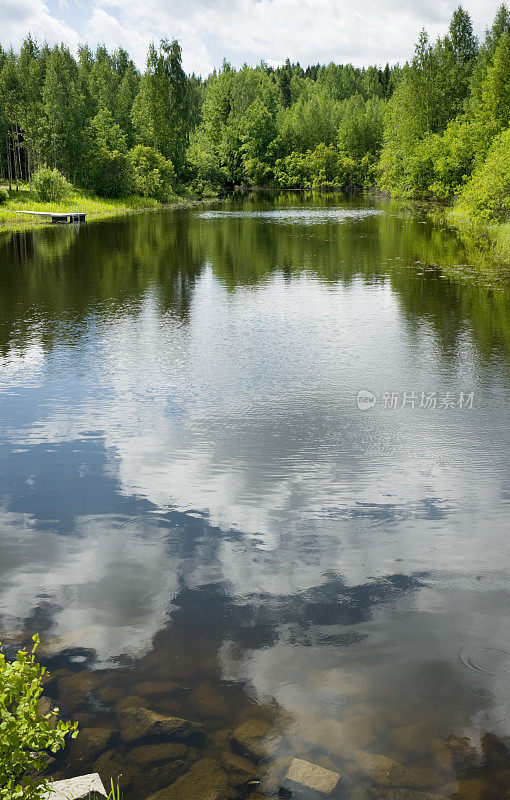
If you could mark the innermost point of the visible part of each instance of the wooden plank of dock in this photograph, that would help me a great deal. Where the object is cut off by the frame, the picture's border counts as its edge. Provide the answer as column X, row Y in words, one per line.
column 62, row 217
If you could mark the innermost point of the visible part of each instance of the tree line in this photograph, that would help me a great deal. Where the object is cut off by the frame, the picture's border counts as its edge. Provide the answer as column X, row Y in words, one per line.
column 438, row 126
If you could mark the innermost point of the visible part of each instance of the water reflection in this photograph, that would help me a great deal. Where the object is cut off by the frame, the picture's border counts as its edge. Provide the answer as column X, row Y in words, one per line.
column 196, row 515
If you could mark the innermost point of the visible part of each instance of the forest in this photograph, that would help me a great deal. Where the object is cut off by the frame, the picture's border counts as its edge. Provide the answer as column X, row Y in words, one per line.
column 437, row 127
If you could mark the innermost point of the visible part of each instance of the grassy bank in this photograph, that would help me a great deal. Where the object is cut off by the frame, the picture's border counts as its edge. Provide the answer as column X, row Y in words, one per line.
column 490, row 237
column 80, row 200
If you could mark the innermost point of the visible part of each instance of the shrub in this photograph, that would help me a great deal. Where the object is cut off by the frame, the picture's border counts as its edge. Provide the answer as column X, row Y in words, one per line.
column 293, row 171
column 26, row 734
column 49, row 184
column 487, row 192
column 323, row 163
column 4, row 195
column 111, row 173
column 153, row 174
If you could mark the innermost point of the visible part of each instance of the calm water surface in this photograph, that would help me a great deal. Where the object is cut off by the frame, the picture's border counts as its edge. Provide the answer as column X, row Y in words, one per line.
column 197, row 516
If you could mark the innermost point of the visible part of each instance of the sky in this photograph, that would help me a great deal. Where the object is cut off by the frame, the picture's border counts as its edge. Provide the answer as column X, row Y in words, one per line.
column 310, row 31
column 242, row 31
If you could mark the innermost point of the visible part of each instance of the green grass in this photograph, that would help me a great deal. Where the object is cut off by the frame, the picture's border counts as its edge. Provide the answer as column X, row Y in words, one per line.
column 80, row 200
column 491, row 237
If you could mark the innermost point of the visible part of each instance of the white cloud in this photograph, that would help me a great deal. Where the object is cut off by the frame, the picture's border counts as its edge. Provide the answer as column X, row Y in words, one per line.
column 310, row 31
column 17, row 18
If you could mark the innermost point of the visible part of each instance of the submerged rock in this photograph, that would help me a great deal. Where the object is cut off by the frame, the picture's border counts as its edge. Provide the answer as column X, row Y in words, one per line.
column 89, row 744
column 253, row 739
column 155, row 688
column 208, row 701
column 359, row 793
column 113, row 765
column 46, row 707
column 304, row 773
column 151, row 754
column 110, row 694
column 160, row 777
column 341, row 737
column 411, row 739
column 204, row 781
column 403, row 794
column 74, row 689
column 468, row 789
column 241, row 771
column 457, row 754
column 137, row 723
column 384, row 772
column 85, row 787
column 131, row 701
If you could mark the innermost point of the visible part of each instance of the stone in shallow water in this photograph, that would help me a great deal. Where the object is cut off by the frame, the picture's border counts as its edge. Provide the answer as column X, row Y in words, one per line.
column 160, row 777
column 74, row 689
column 86, row 787
column 251, row 738
column 155, row 687
column 46, row 707
column 346, row 736
column 467, row 789
column 89, row 744
column 241, row 771
column 114, row 765
column 131, row 701
column 110, row 694
column 411, row 739
column 204, row 781
column 403, row 794
column 151, row 754
column 312, row 776
column 385, row 772
column 136, row 723
column 208, row 701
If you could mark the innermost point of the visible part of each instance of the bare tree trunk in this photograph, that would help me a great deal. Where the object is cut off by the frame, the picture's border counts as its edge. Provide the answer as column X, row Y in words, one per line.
column 18, row 155
column 15, row 160
column 29, row 161
column 9, row 163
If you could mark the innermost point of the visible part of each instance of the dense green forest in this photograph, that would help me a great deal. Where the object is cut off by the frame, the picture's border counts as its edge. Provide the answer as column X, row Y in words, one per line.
column 436, row 127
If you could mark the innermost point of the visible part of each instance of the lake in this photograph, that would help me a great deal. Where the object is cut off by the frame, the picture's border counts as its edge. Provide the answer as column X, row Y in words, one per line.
column 255, row 474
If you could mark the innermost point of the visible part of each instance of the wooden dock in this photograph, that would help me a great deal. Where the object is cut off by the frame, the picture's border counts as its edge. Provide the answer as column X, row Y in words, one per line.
column 58, row 217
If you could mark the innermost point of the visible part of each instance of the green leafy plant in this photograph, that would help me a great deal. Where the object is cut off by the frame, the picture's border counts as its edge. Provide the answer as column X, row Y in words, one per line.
column 153, row 174
column 26, row 734
column 4, row 195
column 111, row 174
column 50, row 185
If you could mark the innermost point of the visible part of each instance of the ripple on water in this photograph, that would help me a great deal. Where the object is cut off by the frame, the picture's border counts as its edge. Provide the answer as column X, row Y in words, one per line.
column 302, row 216
column 494, row 580
column 485, row 660
column 490, row 581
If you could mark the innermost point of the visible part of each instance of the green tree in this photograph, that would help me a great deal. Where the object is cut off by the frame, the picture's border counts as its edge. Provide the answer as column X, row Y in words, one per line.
column 361, row 128
column 63, row 114
column 487, row 192
column 161, row 111
column 111, row 173
column 258, row 129
column 496, row 86
column 153, row 175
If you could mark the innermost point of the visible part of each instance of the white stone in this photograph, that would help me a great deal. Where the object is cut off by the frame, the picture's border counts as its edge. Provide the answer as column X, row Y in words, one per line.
column 311, row 775
column 81, row 788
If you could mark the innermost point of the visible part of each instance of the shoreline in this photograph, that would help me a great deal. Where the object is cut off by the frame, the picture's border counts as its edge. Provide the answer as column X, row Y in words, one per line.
column 488, row 237
column 95, row 208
